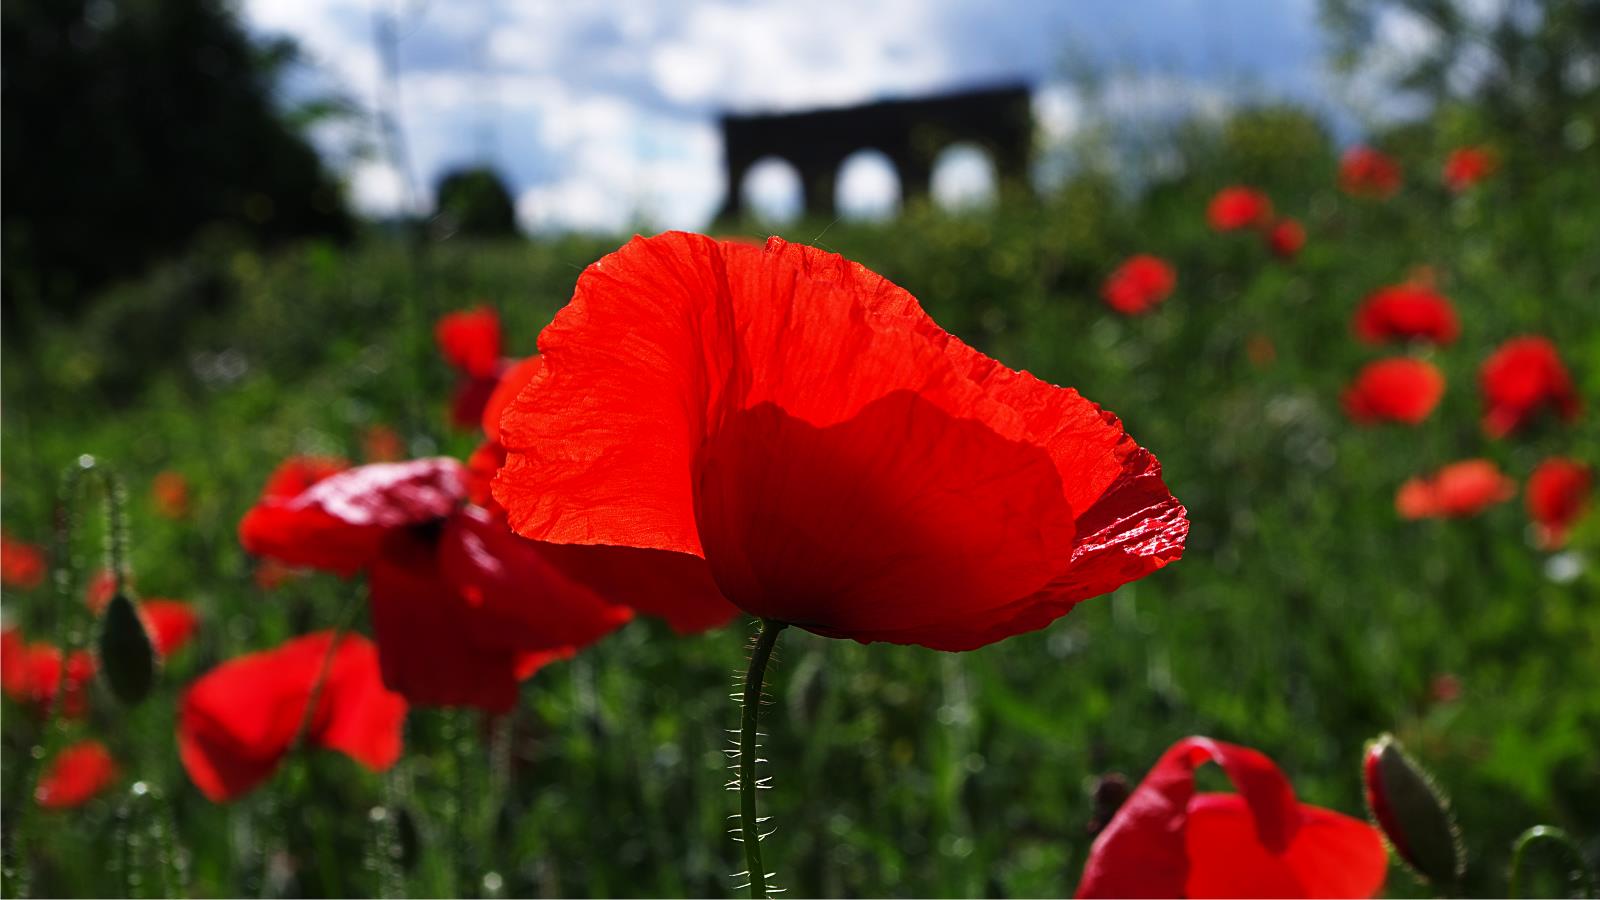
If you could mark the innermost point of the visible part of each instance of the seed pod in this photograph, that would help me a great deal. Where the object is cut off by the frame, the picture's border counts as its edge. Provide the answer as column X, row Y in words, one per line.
column 127, row 660
column 1413, row 814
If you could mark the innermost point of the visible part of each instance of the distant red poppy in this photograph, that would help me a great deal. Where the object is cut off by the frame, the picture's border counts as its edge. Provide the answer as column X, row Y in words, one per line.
column 170, row 624
column 169, row 491
column 1139, row 285
column 1520, row 379
column 1285, row 238
column 99, row 591
column 1238, row 207
column 238, row 721
column 457, row 600
column 271, row 574
column 31, row 674
column 380, row 443
column 76, row 775
column 1365, row 172
column 1406, row 311
column 1557, row 497
column 1399, row 389
column 1456, row 491
column 470, row 341
column 1260, row 350
column 22, row 565
column 1466, row 166
column 795, row 431
column 1169, row 841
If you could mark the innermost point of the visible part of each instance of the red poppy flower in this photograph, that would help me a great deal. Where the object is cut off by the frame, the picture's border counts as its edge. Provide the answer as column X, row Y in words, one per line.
column 795, row 430
column 457, row 600
column 32, row 675
column 380, row 443
column 22, row 565
column 1557, row 497
column 1405, row 311
column 1285, row 238
column 1466, row 166
column 99, row 591
column 1139, row 285
column 271, row 574
column 470, row 341
column 170, row 624
column 1456, row 491
column 1168, row 841
column 238, row 721
column 1400, row 389
column 1365, row 172
column 1521, row 378
column 76, row 775
column 1238, row 207
column 170, row 494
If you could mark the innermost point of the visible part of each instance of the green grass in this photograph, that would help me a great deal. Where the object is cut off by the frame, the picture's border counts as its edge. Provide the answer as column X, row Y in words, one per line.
column 1304, row 618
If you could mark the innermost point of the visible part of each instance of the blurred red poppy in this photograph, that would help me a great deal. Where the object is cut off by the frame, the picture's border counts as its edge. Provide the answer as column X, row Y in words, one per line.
column 238, row 721
column 1285, row 238
column 1455, row 491
column 1466, row 166
column 271, row 574
column 170, row 624
column 22, row 565
column 1365, row 172
column 1557, row 497
column 1238, row 207
column 169, row 492
column 1400, row 389
column 1406, row 311
column 1169, row 841
column 31, row 674
column 380, row 443
column 1520, row 379
column 1139, row 285
column 76, row 775
column 470, row 341
column 457, row 600
column 98, row 592
column 799, row 435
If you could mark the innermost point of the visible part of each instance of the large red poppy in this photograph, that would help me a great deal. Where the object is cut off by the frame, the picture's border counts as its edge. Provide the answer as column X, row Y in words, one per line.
column 32, row 674
column 1169, row 841
column 1466, row 166
column 1139, row 285
column 238, row 721
column 1456, row 491
column 1524, row 376
column 76, row 775
column 1365, row 172
column 1557, row 497
column 1404, row 312
column 794, row 430
column 1236, row 207
column 458, row 602
column 22, row 565
column 1395, row 390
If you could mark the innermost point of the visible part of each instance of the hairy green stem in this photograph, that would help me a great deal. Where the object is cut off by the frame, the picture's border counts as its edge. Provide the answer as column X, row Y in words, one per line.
column 1555, row 836
column 749, row 826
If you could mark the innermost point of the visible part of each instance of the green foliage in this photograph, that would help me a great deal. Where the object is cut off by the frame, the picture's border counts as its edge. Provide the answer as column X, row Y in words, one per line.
column 476, row 203
column 1305, row 616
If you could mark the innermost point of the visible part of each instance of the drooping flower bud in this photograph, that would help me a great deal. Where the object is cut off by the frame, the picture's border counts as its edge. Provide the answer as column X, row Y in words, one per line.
column 1413, row 813
column 127, row 658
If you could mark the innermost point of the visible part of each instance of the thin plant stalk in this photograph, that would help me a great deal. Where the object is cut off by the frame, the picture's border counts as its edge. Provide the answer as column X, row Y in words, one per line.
column 749, row 748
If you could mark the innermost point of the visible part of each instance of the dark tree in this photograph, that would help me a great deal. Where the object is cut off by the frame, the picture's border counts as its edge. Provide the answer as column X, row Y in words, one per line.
column 129, row 125
column 474, row 201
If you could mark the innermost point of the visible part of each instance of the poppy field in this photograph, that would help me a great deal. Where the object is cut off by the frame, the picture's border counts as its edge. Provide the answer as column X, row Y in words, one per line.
column 350, row 570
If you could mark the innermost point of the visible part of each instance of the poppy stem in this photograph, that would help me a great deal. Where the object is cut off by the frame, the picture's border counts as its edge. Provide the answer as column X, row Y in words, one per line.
column 1555, row 836
column 749, row 750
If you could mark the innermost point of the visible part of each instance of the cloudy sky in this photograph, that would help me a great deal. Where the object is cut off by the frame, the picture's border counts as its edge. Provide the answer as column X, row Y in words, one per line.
column 603, row 114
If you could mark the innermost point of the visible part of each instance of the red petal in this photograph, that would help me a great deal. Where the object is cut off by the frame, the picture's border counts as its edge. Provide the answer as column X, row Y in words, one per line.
column 470, row 341
column 338, row 523
column 360, row 717
column 297, row 473
column 470, row 399
column 1331, row 855
column 678, row 355
column 675, row 587
column 510, row 385
column 426, row 644
column 170, row 623
column 76, row 775
column 1143, row 852
column 1398, row 390
column 518, row 594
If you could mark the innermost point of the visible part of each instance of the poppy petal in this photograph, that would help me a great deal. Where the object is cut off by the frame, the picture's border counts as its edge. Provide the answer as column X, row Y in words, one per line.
column 170, row 623
column 510, row 385
column 76, row 775
column 1332, row 855
column 470, row 340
